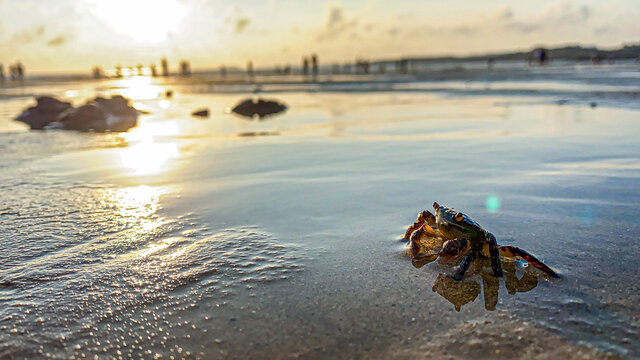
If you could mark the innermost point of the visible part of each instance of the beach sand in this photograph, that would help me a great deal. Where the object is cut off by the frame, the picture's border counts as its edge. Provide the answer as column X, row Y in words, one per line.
column 229, row 238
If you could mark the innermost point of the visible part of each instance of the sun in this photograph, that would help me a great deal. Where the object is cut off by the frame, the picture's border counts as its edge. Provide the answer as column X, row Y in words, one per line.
column 142, row 20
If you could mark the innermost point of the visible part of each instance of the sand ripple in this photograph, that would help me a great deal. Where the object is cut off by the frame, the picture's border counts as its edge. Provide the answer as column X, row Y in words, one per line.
column 100, row 270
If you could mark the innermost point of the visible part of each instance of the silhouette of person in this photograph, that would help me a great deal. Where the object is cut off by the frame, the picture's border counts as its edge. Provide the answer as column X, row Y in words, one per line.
column 314, row 64
column 490, row 63
column 1, row 74
column 543, row 57
column 250, row 70
column 223, row 72
column 20, row 71
column 185, row 68
column 165, row 66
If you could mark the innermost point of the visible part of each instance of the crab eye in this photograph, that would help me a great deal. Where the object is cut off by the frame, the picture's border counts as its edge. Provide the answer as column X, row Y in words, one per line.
column 459, row 217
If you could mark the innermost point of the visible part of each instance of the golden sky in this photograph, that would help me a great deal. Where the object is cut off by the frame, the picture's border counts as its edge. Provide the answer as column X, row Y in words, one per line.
column 74, row 35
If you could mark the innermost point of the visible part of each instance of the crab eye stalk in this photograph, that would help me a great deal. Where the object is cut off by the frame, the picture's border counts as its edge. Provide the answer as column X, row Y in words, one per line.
column 459, row 217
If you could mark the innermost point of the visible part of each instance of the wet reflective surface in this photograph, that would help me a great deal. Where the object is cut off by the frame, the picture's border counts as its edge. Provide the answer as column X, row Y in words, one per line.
column 467, row 290
column 518, row 277
column 207, row 238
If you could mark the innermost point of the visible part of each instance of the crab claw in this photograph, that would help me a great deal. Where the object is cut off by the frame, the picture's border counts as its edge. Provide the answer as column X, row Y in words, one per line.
column 452, row 249
column 436, row 205
column 424, row 217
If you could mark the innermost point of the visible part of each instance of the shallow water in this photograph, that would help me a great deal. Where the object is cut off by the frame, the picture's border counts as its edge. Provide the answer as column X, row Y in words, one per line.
column 205, row 238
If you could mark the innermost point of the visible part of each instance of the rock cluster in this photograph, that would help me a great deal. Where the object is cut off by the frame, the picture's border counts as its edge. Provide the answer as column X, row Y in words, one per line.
column 98, row 115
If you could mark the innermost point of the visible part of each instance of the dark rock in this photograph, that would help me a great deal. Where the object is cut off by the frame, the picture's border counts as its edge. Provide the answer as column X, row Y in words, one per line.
column 89, row 117
column 46, row 111
column 201, row 113
column 117, row 105
column 47, row 103
column 168, row 94
column 99, row 115
column 259, row 107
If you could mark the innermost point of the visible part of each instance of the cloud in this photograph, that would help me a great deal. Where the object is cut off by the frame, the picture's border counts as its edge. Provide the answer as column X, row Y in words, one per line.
column 566, row 14
column 336, row 24
column 57, row 41
column 336, row 17
column 242, row 24
column 600, row 30
column 522, row 27
column 463, row 30
column 505, row 14
column 28, row 35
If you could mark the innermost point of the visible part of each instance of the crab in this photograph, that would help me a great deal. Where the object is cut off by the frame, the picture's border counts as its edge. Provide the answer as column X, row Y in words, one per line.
column 461, row 237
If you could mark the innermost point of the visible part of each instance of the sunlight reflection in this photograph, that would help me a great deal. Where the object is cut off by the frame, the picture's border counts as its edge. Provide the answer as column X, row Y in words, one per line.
column 154, row 248
column 137, row 206
column 139, row 106
column 71, row 93
column 147, row 130
column 164, row 104
column 148, row 157
column 139, row 88
column 139, row 201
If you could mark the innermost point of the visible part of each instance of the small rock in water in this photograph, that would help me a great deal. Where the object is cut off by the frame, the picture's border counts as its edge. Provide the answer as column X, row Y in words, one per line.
column 168, row 94
column 100, row 115
column 593, row 104
column 259, row 107
column 201, row 113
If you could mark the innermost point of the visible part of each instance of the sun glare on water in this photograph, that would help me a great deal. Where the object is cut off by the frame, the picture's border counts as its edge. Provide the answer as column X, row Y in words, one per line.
column 142, row 20
column 148, row 157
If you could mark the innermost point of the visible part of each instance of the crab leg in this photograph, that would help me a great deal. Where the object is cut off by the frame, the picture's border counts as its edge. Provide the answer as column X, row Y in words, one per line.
column 494, row 253
column 514, row 252
column 423, row 217
column 464, row 265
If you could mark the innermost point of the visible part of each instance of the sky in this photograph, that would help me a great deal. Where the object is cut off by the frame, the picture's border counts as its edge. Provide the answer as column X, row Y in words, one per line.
column 75, row 35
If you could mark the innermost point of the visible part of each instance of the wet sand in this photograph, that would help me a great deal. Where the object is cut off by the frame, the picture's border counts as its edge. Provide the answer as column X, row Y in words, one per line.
column 187, row 238
column 496, row 337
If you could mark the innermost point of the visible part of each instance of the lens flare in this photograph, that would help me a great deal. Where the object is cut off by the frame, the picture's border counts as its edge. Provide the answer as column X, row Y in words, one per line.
column 493, row 203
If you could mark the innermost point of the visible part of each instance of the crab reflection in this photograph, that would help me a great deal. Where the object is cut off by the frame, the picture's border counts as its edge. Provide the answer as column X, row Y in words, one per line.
column 460, row 293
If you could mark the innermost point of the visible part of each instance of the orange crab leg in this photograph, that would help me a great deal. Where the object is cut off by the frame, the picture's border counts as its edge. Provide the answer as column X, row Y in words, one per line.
column 423, row 217
column 514, row 252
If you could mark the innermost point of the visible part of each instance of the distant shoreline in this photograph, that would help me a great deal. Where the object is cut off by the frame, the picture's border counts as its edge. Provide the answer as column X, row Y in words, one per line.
column 569, row 52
